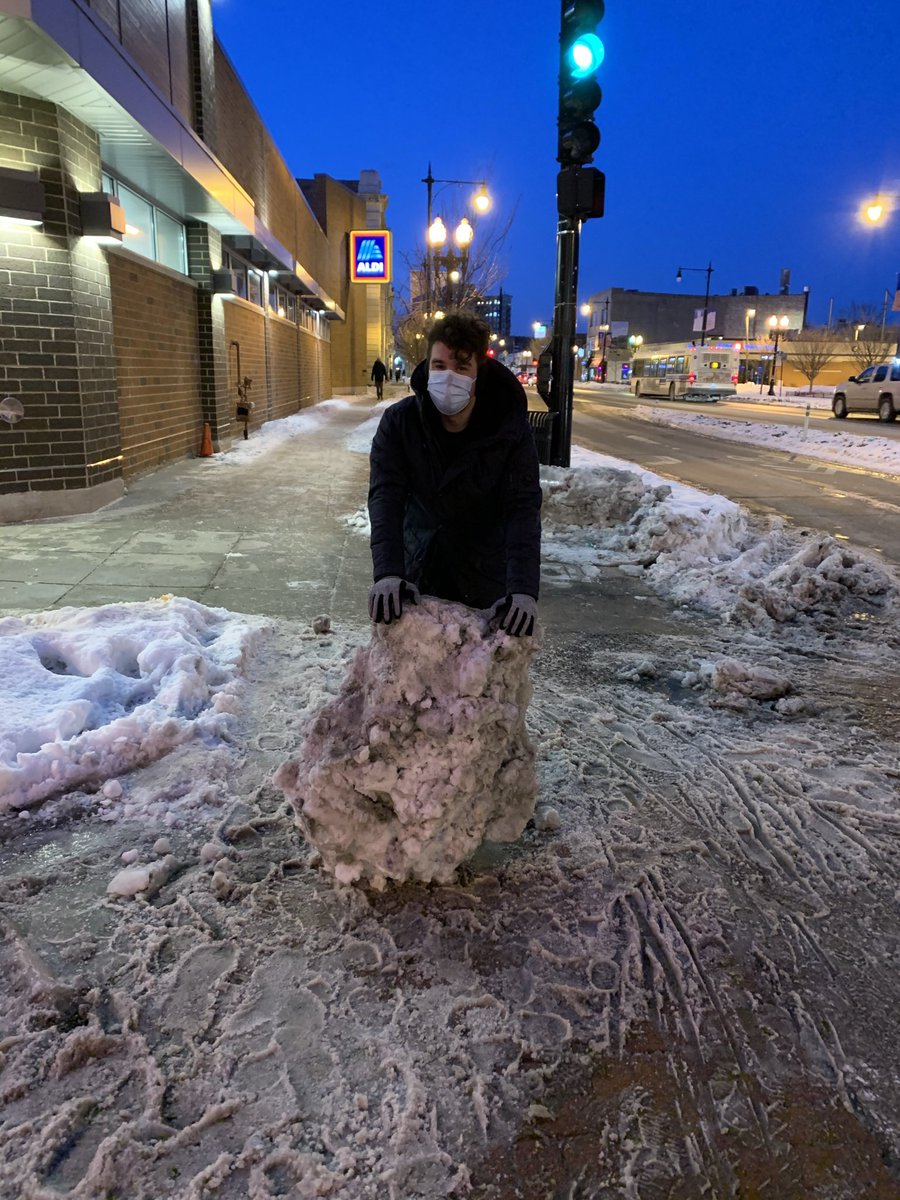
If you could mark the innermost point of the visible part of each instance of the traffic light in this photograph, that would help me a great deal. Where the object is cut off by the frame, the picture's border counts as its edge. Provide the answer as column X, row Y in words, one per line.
column 580, row 192
column 581, row 53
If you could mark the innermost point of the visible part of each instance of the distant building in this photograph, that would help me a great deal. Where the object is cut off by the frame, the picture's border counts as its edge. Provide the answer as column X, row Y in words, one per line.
column 497, row 311
column 619, row 313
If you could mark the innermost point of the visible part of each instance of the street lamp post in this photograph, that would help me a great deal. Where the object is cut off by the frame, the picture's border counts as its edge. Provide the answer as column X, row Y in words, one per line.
column 635, row 341
column 707, row 270
column 481, row 203
column 585, row 311
column 777, row 326
column 604, row 329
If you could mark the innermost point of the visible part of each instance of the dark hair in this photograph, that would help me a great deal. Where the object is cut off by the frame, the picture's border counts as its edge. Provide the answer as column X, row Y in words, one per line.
column 464, row 333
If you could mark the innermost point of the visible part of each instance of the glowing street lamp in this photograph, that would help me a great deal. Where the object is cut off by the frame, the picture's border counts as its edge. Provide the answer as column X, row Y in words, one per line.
column 437, row 232
column 876, row 209
column 463, row 234
column 777, row 326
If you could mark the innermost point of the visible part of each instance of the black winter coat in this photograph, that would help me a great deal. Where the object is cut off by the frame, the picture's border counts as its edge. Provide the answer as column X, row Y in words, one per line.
column 462, row 524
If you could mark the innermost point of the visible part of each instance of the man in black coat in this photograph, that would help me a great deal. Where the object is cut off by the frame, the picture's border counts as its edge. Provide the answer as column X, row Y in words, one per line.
column 454, row 494
column 379, row 374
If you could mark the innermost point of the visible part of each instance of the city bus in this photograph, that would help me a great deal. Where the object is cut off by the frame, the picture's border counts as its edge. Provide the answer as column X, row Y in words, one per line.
column 679, row 370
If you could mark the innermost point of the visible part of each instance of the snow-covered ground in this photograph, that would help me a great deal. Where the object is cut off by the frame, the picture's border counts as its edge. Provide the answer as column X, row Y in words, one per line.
column 689, row 988
column 91, row 693
column 849, row 449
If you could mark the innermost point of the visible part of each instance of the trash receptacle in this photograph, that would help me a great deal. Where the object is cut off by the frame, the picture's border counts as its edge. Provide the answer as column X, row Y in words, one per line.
column 542, row 431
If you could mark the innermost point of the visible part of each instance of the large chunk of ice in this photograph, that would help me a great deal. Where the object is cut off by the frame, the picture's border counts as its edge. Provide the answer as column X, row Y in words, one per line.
column 423, row 755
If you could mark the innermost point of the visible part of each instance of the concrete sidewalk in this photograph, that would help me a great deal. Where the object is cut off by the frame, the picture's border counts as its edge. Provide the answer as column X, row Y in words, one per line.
column 262, row 537
column 266, row 537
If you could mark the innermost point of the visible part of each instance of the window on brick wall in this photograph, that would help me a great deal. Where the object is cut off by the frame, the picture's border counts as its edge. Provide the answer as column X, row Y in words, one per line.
column 170, row 248
column 232, row 263
column 281, row 302
column 148, row 229
column 139, row 232
column 254, row 287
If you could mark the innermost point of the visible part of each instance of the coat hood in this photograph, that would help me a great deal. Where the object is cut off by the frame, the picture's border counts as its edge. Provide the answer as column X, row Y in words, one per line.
column 500, row 395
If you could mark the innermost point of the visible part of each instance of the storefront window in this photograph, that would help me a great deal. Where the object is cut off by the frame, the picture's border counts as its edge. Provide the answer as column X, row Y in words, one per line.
column 148, row 230
column 170, row 249
column 139, row 233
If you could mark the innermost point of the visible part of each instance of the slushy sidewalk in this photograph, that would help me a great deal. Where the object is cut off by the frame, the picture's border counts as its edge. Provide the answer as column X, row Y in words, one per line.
column 257, row 537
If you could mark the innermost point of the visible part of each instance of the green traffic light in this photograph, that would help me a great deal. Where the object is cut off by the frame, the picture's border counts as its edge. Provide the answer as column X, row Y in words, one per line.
column 585, row 55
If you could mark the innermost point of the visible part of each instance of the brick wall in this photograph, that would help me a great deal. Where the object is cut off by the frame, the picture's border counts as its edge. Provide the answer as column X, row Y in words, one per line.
column 324, row 389
column 245, row 325
column 155, row 338
column 91, row 303
column 158, row 37
column 310, row 369
column 239, row 131
column 284, row 368
column 55, row 351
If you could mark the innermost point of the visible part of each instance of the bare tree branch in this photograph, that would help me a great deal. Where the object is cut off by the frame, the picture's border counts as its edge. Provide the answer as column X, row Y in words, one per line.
column 813, row 350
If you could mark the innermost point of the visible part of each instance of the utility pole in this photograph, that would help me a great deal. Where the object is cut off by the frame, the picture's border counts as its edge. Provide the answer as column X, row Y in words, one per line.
column 580, row 194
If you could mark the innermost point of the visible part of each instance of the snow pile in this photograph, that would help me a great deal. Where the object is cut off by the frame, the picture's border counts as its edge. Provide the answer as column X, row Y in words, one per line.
column 274, row 433
column 633, row 519
column 359, row 441
column 824, row 580
column 731, row 678
column 423, row 755
column 358, row 521
column 701, row 550
column 89, row 693
column 847, row 449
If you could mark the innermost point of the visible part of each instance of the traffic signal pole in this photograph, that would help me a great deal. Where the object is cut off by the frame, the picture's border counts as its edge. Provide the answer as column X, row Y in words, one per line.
column 580, row 195
column 562, row 385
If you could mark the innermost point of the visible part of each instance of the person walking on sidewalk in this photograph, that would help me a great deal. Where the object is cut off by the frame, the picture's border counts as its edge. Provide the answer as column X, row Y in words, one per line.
column 379, row 374
column 454, row 490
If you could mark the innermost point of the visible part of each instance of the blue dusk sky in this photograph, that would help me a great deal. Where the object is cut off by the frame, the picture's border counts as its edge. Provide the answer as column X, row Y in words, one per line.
column 742, row 134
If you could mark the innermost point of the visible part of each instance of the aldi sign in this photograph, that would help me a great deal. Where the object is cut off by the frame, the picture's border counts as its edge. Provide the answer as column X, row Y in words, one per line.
column 370, row 256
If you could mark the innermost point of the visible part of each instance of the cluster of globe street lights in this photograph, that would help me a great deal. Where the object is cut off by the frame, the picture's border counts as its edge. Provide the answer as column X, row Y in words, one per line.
column 436, row 238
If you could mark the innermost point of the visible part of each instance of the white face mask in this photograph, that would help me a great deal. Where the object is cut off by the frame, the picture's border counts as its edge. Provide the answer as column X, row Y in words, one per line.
column 449, row 391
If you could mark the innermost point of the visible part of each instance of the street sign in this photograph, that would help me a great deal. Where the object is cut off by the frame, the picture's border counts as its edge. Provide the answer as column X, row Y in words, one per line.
column 370, row 256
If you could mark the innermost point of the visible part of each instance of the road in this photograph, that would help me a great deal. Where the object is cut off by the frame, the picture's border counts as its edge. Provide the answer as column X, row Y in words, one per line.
column 851, row 504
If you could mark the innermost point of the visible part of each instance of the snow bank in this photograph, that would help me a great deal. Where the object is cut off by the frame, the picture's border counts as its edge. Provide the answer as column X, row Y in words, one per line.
column 823, row 579
column 89, row 693
column 359, row 441
column 847, row 449
column 424, row 753
column 634, row 518
column 271, row 435
column 700, row 550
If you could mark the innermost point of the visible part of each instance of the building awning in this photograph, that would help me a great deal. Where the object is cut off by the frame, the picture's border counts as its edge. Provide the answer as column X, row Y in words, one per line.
column 57, row 51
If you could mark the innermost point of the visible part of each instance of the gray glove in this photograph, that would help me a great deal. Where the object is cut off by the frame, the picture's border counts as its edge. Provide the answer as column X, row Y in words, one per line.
column 517, row 613
column 386, row 598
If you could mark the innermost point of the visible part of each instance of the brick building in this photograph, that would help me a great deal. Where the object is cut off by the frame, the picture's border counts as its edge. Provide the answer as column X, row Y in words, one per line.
column 159, row 263
column 665, row 317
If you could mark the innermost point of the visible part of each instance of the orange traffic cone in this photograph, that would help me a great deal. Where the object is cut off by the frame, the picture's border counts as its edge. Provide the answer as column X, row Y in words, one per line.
column 206, row 446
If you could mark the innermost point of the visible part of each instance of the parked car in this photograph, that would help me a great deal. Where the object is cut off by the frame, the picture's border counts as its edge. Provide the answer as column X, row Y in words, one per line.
column 874, row 390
